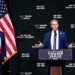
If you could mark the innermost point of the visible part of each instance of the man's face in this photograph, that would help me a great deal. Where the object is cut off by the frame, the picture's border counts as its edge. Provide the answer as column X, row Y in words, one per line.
column 54, row 25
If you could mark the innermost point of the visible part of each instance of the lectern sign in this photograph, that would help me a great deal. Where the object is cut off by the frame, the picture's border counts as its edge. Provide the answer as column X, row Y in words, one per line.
column 61, row 54
column 55, row 55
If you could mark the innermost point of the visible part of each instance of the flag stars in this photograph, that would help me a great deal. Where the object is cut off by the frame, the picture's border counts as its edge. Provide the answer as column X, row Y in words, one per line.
column 2, row 1
column 4, row 5
column 3, row 11
column 3, row 8
column 0, row 11
column 0, row 14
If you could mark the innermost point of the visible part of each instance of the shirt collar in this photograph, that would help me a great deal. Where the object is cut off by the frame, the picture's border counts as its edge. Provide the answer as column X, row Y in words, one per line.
column 56, row 31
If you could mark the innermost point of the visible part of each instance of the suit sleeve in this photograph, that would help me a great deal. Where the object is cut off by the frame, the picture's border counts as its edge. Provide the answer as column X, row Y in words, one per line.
column 45, row 41
column 3, row 48
column 66, row 42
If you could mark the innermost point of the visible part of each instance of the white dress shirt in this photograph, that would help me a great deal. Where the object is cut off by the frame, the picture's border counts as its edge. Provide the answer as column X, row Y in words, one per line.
column 52, row 39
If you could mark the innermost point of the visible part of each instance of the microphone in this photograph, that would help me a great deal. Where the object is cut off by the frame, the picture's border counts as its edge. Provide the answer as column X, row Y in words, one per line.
column 55, row 33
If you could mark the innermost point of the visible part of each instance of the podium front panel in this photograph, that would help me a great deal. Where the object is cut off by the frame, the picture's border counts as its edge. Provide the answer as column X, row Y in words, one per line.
column 61, row 54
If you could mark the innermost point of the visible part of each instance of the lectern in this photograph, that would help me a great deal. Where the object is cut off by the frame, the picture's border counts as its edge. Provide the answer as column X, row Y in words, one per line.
column 61, row 54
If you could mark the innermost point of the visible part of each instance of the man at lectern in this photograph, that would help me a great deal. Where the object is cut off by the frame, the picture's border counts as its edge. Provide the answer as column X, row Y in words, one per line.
column 2, row 50
column 55, row 39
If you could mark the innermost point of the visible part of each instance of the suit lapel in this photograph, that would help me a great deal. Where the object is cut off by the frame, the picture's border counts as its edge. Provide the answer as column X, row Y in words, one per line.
column 50, row 39
column 60, row 37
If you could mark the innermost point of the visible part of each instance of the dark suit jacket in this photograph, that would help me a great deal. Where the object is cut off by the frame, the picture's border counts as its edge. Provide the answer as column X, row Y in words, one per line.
column 3, row 47
column 63, row 44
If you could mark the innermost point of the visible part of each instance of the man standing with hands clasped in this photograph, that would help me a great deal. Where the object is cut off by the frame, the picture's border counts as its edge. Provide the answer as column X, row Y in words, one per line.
column 55, row 39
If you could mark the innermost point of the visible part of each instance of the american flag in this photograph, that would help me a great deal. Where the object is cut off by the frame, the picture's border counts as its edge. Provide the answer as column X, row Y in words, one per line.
column 7, row 28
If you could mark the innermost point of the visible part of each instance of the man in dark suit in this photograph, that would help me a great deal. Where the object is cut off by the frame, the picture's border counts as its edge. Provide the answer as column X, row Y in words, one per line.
column 2, row 50
column 61, row 40
column 55, row 39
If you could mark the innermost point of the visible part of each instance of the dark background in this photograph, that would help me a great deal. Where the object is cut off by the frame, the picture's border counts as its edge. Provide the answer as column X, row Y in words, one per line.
column 17, row 64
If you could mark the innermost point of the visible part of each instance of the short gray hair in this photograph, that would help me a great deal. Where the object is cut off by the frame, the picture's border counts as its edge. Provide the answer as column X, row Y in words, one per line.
column 54, row 20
